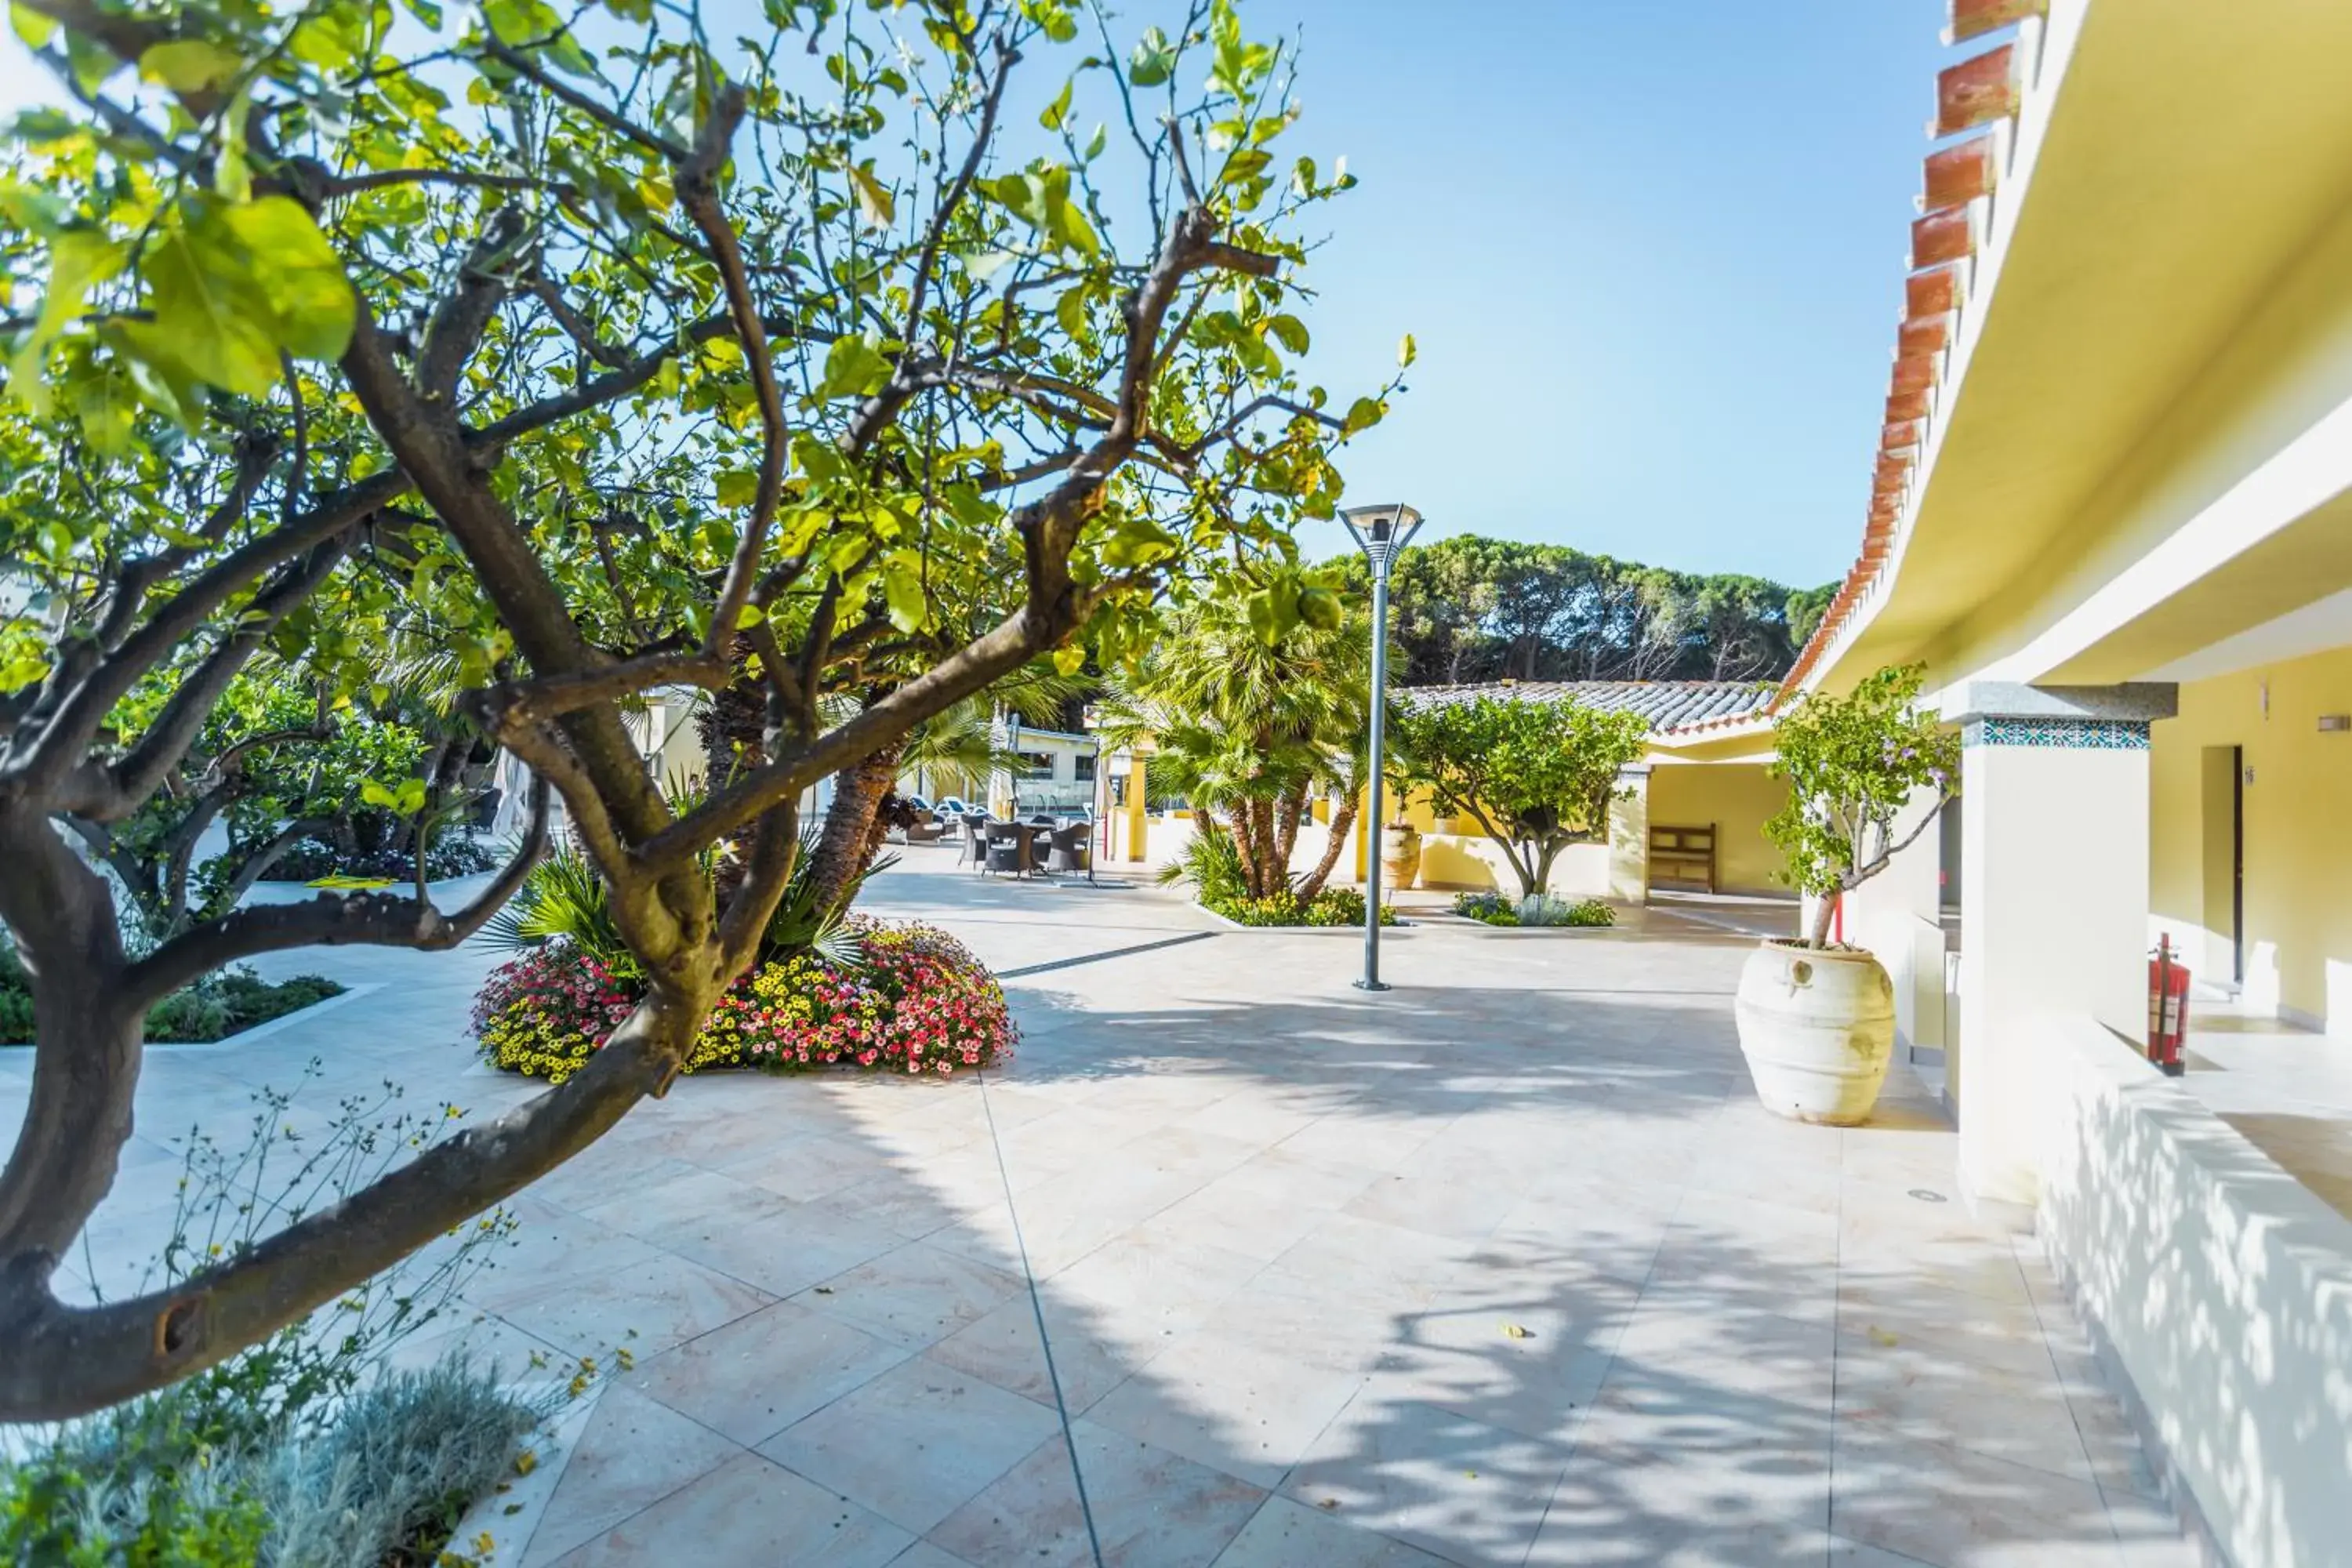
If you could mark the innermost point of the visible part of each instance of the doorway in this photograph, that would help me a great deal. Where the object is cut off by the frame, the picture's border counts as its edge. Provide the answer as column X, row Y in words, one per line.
column 2224, row 800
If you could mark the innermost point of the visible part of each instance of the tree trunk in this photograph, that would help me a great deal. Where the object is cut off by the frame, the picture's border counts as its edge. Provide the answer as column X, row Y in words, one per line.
column 1286, row 829
column 1343, row 822
column 846, row 844
column 1824, row 911
column 733, row 729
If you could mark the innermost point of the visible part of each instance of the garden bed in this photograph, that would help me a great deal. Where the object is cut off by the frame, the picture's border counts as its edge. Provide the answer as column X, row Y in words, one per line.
column 215, row 1009
column 1543, row 912
column 1339, row 910
column 906, row 999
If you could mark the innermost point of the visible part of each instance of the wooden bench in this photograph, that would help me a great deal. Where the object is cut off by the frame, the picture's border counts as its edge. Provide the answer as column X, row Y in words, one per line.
column 1681, row 860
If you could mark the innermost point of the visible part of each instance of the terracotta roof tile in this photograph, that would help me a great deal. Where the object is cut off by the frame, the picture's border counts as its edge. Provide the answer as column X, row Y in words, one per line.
column 1975, row 18
column 1976, row 91
column 1959, row 174
column 1668, row 705
column 1984, row 88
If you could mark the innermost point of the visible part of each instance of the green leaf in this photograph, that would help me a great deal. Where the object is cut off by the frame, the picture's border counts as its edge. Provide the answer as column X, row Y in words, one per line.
column 1407, row 351
column 375, row 794
column 29, row 25
column 875, row 202
column 1070, row 310
column 1069, row 659
column 189, row 64
column 1320, row 608
column 1059, row 109
column 902, row 591
column 1154, row 60
column 232, row 174
column 738, row 486
column 79, row 259
column 1290, row 332
column 300, row 273
column 853, row 367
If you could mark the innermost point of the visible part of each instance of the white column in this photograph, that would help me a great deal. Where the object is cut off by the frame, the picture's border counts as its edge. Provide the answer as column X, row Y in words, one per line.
column 2053, row 878
column 1895, row 915
column 1629, row 836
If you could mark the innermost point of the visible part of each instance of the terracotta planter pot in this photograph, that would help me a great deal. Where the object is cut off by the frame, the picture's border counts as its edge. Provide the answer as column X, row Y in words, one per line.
column 1399, row 854
column 1818, row 1030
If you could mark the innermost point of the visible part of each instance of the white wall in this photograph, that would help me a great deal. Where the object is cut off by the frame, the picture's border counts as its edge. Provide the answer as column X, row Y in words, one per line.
column 2223, row 1289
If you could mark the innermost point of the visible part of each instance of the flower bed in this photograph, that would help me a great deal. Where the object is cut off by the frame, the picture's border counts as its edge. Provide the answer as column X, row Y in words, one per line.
column 1499, row 909
column 916, row 1001
column 1332, row 907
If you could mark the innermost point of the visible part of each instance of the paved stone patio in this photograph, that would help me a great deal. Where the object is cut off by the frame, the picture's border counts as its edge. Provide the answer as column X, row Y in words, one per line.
column 1507, row 1265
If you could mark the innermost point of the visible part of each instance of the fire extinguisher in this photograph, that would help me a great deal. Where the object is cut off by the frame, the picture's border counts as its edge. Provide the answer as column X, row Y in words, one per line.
column 2168, row 1008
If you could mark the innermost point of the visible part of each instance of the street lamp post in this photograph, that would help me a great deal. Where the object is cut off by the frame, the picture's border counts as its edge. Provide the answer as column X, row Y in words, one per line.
column 1379, row 531
column 1013, row 774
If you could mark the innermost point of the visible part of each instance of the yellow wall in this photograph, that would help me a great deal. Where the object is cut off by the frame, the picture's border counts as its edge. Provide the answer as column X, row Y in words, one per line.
column 2298, row 833
column 1736, row 797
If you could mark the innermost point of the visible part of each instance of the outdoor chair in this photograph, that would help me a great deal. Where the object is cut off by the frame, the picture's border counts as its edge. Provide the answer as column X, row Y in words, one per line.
column 923, row 830
column 1005, row 848
column 975, row 846
column 1072, row 849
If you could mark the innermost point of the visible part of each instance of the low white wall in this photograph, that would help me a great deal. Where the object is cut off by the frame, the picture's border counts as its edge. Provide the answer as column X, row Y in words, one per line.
column 2223, row 1289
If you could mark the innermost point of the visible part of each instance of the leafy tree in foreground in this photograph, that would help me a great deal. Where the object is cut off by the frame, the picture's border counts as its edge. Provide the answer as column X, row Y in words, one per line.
column 1535, row 776
column 847, row 359
column 1247, row 730
column 1854, row 765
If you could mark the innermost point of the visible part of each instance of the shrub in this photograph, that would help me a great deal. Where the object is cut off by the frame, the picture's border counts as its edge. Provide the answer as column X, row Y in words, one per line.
column 1332, row 907
column 396, row 1471
column 212, row 1008
column 1490, row 907
column 299, row 1452
column 1543, row 910
column 1212, row 864
column 914, row 1000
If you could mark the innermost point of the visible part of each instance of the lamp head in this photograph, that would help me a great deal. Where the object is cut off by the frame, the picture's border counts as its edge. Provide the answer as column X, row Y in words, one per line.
column 1379, row 531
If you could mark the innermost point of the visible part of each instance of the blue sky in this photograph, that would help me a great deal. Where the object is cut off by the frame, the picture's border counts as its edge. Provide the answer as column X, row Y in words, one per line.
column 1651, row 252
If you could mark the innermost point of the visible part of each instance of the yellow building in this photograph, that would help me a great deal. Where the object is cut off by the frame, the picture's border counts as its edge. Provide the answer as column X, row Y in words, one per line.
column 2110, row 516
column 1688, row 819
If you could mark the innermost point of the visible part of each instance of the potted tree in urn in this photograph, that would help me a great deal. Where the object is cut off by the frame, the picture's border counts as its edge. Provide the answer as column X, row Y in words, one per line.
column 1817, row 1018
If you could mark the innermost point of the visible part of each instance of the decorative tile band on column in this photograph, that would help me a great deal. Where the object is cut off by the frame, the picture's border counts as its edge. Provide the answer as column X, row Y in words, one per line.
column 2066, row 734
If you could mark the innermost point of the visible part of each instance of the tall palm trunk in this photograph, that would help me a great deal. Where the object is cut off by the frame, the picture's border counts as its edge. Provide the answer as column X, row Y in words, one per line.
column 1343, row 822
column 845, row 846
column 733, row 729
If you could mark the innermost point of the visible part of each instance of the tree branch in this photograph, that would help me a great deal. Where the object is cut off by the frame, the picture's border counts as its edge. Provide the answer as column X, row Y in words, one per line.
column 327, row 920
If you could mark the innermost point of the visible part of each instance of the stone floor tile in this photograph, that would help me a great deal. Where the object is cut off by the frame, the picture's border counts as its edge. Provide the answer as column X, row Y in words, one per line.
column 788, row 1251
column 915, row 1443
column 760, row 1373
column 746, row 1511
column 1919, row 1315
column 1469, row 1492
column 1151, row 1508
column 1955, row 1508
column 1688, row 1505
column 1286, row 1534
column 1918, row 1396
column 914, row 1295
column 1532, row 1365
column 645, row 1307
column 1004, row 1348
column 1149, row 1282
column 1248, row 1411
column 633, row 1453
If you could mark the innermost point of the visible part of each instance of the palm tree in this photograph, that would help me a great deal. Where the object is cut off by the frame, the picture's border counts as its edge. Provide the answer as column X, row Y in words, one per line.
column 1247, row 730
